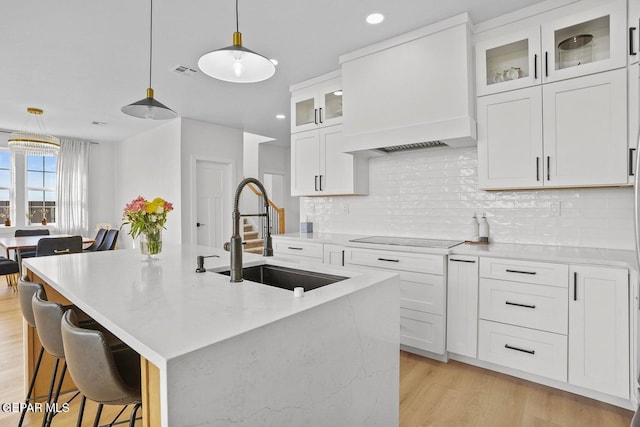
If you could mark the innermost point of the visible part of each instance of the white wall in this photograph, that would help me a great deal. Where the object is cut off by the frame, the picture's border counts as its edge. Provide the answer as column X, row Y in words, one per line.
column 102, row 166
column 148, row 165
column 206, row 141
column 433, row 193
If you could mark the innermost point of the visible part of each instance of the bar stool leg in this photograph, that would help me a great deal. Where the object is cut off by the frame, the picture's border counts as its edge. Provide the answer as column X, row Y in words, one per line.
column 98, row 413
column 31, row 385
column 53, row 382
column 81, row 412
column 54, row 401
column 134, row 411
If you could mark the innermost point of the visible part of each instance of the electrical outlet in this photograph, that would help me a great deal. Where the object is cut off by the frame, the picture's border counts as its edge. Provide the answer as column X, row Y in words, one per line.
column 554, row 208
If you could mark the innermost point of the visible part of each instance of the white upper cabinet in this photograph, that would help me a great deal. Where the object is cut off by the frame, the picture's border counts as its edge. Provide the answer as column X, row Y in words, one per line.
column 585, row 42
column 316, row 103
column 508, row 61
column 571, row 133
column 585, row 130
column 573, row 43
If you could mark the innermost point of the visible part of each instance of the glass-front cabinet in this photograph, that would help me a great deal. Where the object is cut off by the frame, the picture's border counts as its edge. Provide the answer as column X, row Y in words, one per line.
column 508, row 62
column 577, row 43
column 585, row 43
column 316, row 106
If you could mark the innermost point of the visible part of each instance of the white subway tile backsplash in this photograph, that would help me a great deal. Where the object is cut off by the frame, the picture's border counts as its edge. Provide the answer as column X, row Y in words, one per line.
column 433, row 193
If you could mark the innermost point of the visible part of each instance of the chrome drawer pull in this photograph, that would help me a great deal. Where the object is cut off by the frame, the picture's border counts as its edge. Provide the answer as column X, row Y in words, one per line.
column 61, row 251
column 294, row 248
column 521, row 272
column 388, row 260
column 462, row 260
column 519, row 349
column 519, row 305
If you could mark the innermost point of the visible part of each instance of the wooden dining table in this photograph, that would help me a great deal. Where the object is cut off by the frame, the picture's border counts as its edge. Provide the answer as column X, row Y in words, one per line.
column 30, row 242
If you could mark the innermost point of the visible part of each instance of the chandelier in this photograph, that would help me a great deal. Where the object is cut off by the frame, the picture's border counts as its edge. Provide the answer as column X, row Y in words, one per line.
column 37, row 142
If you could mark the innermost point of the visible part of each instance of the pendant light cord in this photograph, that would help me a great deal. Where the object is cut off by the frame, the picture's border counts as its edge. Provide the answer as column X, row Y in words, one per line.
column 150, row 41
column 237, row 25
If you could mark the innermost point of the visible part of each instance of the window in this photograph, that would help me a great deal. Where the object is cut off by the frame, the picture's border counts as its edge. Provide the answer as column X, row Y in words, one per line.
column 41, row 188
column 5, row 185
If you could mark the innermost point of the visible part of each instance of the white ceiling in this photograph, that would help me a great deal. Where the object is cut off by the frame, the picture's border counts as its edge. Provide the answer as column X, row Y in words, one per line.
column 82, row 60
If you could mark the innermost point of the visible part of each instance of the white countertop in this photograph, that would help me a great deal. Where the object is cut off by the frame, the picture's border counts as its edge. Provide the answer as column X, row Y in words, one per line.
column 164, row 309
column 567, row 254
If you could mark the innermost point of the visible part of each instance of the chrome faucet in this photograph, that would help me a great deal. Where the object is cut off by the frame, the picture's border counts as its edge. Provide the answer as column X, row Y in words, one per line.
column 236, row 239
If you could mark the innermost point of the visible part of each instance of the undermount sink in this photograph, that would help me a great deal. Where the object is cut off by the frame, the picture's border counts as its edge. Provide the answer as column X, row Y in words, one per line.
column 286, row 278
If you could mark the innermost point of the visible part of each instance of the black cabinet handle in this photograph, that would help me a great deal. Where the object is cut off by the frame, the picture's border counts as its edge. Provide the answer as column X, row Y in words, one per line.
column 537, row 168
column 315, row 116
column 315, row 182
column 320, row 182
column 521, row 271
column 294, row 248
column 535, row 66
column 546, row 64
column 462, row 260
column 548, row 168
column 519, row 349
column 388, row 260
column 631, row 156
column 320, row 115
column 519, row 305
column 575, row 286
column 199, row 224
column 631, row 49
column 342, row 258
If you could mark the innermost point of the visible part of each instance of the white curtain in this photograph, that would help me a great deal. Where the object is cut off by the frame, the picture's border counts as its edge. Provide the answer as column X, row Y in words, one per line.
column 73, row 199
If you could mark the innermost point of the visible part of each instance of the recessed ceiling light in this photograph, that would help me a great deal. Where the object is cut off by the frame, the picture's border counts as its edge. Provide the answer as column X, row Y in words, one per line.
column 375, row 18
column 274, row 61
column 281, row 116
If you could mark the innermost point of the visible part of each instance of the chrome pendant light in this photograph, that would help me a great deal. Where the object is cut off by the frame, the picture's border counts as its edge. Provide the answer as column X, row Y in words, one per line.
column 37, row 142
column 236, row 63
column 149, row 107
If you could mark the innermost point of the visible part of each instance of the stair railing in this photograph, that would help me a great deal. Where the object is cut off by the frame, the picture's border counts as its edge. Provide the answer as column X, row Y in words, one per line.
column 276, row 214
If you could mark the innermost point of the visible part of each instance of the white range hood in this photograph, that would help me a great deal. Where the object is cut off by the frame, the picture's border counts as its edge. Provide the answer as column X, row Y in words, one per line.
column 413, row 91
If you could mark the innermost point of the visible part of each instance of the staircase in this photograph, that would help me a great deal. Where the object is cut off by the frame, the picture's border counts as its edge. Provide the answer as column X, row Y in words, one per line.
column 252, row 243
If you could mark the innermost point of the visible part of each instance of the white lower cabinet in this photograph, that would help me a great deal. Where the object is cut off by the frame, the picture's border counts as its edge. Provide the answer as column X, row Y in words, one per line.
column 333, row 254
column 566, row 322
column 422, row 293
column 298, row 250
column 528, row 350
column 599, row 329
column 462, row 305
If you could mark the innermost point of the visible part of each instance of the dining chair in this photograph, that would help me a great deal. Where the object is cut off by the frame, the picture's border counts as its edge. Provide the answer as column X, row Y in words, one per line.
column 100, row 235
column 10, row 269
column 29, row 253
column 59, row 246
column 110, row 240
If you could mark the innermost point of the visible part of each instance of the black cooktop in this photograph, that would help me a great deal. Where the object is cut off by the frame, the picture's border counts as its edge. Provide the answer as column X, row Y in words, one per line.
column 409, row 241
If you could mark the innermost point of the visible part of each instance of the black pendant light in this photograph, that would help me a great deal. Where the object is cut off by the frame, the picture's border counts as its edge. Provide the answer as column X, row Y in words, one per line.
column 149, row 107
column 236, row 63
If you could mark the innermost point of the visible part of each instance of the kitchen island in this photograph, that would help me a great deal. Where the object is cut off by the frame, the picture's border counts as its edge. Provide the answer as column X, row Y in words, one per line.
column 219, row 353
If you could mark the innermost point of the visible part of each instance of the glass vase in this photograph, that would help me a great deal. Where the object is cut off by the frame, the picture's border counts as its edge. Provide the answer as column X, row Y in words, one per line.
column 151, row 244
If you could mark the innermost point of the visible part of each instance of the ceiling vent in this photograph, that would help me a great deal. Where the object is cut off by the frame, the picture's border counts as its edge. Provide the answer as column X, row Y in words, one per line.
column 413, row 146
column 183, row 70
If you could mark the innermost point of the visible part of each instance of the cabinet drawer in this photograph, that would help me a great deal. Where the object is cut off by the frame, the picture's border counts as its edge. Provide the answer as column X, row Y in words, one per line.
column 525, row 271
column 298, row 249
column 536, row 352
column 422, row 330
column 424, row 292
column 389, row 260
column 524, row 304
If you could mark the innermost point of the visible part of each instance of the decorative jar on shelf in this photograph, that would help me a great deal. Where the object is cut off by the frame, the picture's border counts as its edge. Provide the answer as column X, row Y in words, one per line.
column 151, row 243
column 44, row 221
column 7, row 222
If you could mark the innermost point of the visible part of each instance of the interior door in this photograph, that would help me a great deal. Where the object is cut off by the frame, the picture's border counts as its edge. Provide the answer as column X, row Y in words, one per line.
column 212, row 179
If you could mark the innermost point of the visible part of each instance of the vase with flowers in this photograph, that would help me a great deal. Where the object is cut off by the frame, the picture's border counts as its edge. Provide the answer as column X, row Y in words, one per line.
column 146, row 219
column 5, row 215
column 44, row 213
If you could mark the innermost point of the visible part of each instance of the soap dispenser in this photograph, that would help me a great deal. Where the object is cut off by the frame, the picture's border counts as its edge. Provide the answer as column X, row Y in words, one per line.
column 474, row 229
column 483, row 229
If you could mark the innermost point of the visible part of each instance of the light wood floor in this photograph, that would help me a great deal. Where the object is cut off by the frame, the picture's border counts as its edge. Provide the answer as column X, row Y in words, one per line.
column 431, row 393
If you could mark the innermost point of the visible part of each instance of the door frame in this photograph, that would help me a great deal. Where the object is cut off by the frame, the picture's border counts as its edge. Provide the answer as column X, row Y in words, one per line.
column 229, row 168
